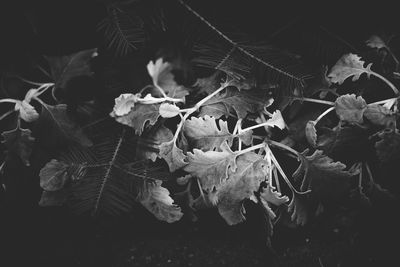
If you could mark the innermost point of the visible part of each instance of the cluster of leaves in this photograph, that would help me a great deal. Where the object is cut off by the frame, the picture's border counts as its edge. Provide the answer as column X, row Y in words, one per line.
column 215, row 140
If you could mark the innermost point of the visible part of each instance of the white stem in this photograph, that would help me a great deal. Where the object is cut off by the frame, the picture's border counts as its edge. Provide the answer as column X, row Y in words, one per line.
column 312, row 100
column 9, row 100
column 324, row 114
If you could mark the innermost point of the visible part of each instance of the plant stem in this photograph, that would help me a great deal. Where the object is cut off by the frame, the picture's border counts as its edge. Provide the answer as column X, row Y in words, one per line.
column 383, row 101
column 282, row 146
column 6, row 114
column 324, row 114
column 250, row 149
column 9, row 100
column 285, row 178
column 386, row 81
column 307, row 99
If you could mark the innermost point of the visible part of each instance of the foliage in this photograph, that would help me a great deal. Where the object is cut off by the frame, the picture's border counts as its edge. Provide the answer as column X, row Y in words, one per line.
column 220, row 137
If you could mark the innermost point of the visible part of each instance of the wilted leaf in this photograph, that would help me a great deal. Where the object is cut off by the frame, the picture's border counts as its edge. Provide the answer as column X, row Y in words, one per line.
column 270, row 195
column 19, row 142
column 139, row 115
column 58, row 116
column 241, row 184
column 231, row 101
column 389, row 145
column 26, row 111
column 350, row 108
column 168, row 110
column 124, row 103
column 156, row 199
column 311, row 133
column 172, row 155
column 375, row 42
column 380, row 115
column 53, row 175
column 65, row 68
column 148, row 145
column 325, row 178
column 161, row 73
column 349, row 65
column 211, row 167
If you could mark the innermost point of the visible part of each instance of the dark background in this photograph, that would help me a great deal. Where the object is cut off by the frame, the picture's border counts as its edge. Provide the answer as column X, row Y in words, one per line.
column 52, row 237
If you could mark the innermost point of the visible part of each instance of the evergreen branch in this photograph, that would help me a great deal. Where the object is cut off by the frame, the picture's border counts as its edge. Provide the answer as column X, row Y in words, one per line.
column 242, row 49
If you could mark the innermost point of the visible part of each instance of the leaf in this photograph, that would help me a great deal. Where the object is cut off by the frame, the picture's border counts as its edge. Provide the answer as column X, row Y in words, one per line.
column 53, row 175
column 19, row 142
column 53, row 198
column 270, row 195
column 64, row 68
column 311, row 133
column 139, row 115
column 156, row 199
column 231, row 101
column 124, row 103
column 211, row 167
column 208, row 134
column 326, row 179
column 209, row 84
column 58, row 117
column 161, row 73
column 380, row 115
column 347, row 66
column 242, row 183
column 388, row 147
column 350, row 108
column 375, row 42
column 299, row 208
column 148, row 145
column 26, row 111
column 277, row 120
column 168, row 110
column 172, row 155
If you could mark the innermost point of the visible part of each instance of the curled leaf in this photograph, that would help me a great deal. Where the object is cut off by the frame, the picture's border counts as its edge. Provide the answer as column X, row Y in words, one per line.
column 277, row 120
column 26, row 111
column 311, row 133
column 350, row 108
column 349, row 65
column 168, row 110
column 124, row 103
column 53, row 198
column 270, row 195
column 156, row 199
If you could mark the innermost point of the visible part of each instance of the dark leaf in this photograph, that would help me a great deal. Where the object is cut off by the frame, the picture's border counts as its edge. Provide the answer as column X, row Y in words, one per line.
column 326, row 179
column 380, row 115
column 19, row 142
column 64, row 125
column 64, row 68
column 389, row 146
